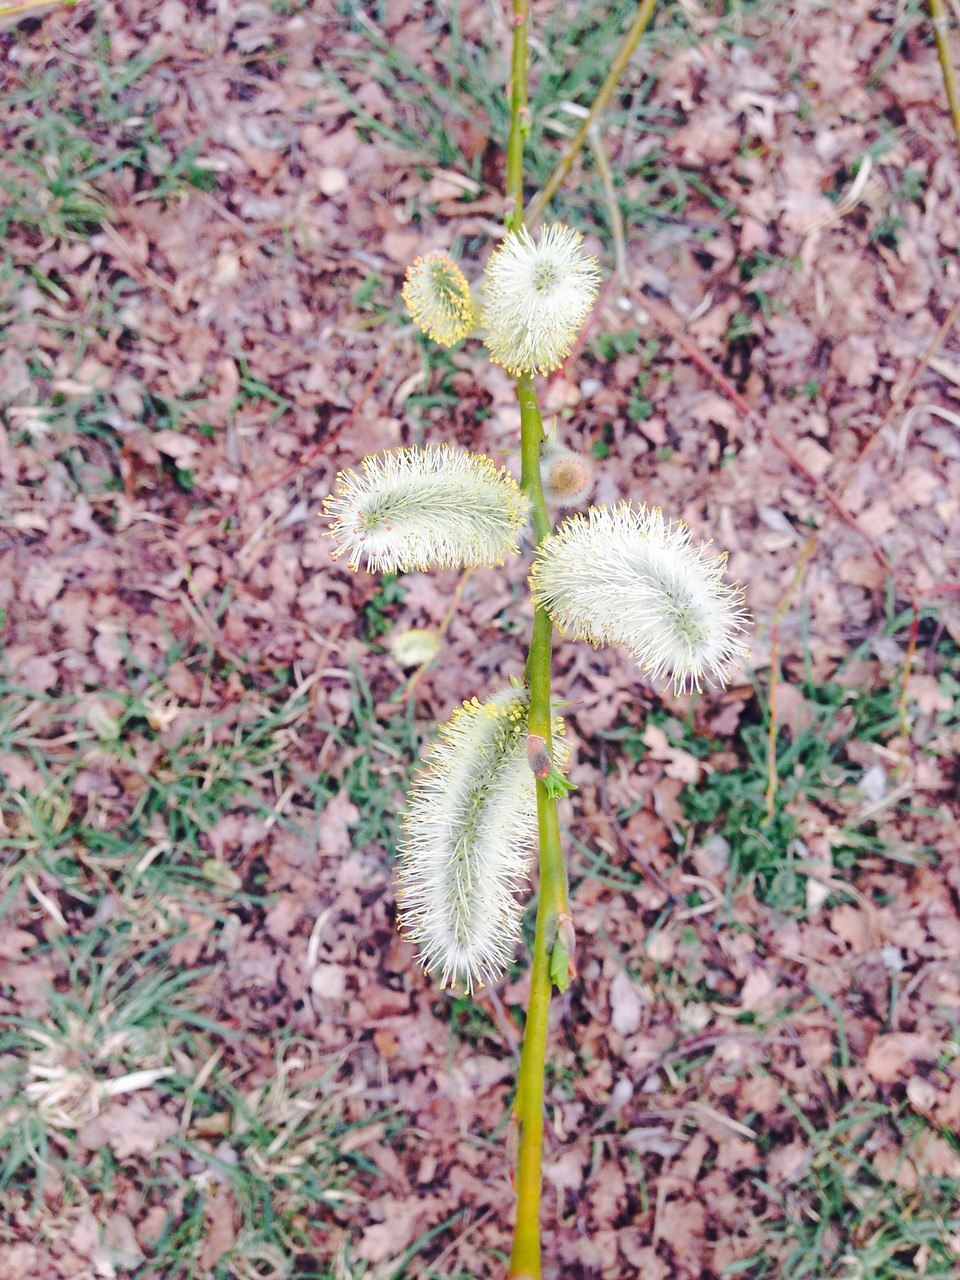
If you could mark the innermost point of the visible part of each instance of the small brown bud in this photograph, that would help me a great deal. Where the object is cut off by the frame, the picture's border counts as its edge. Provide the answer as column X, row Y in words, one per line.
column 538, row 755
column 567, row 476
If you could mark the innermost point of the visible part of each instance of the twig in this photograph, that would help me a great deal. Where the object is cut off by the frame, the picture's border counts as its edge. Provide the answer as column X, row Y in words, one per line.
column 613, row 204
column 519, row 116
column 12, row 13
column 941, row 29
column 441, row 632
column 620, row 59
column 903, row 434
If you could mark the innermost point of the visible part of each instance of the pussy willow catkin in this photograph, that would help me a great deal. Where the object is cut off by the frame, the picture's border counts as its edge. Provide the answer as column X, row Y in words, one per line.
column 627, row 576
column 536, row 297
column 421, row 508
column 438, row 298
column 468, row 831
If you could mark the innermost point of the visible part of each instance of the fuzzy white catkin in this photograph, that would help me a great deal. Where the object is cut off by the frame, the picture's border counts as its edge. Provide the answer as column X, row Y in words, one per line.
column 417, row 508
column 628, row 577
column 536, row 297
column 468, row 832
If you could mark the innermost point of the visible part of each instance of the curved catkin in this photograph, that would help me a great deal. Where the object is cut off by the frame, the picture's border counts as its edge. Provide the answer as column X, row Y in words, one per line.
column 417, row 508
column 628, row 577
column 468, row 832
column 536, row 297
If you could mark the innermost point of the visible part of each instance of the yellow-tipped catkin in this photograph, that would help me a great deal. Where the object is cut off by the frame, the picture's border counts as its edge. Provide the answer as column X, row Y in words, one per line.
column 438, row 298
column 417, row 508
column 536, row 297
column 628, row 577
column 467, row 837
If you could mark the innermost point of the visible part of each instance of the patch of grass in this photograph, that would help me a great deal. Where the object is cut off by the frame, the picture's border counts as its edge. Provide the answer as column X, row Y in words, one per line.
column 81, row 436
column 811, row 768
column 278, row 1146
column 73, row 412
column 254, row 390
column 437, row 399
column 106, row 803
column 434, row 110
column 844, row 1217
column 127, row 1038
column 602, row 446
column 471, row 1024
column 814, row 775
column 910, row 189
column 378, row 610
column 67, row 140
column 398, row 1268
column 639, row 405
column 607, row 346
column 49, row 181
column 116, row 1025
column 122, row 787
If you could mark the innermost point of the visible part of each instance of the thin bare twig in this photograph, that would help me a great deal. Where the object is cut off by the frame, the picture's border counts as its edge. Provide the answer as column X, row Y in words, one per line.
column 941, row 33
column 448, row 617
column 613, row 204
column 620, row 59
column 900, row 396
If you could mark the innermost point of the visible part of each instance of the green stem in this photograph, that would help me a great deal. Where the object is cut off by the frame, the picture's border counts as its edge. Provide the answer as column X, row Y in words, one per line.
column 531, row 437
column 553, row 904
column 617, row 66
column 528, row 1108
column 519, row 116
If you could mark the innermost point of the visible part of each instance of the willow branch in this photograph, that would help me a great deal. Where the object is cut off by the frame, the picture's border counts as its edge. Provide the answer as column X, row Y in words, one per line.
column 620, row 59
column 941, row 29
column 519, row 116
column 528, row 1108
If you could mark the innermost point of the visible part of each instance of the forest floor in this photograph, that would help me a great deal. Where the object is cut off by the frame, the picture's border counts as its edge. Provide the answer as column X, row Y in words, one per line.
column 217, row 1058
